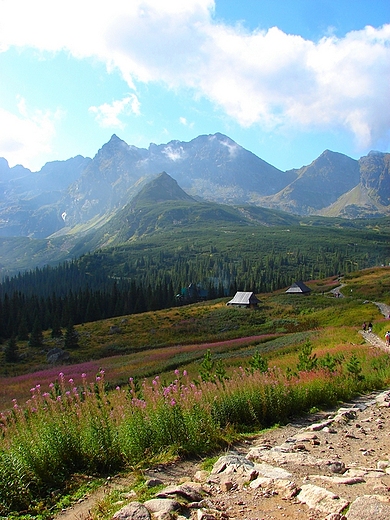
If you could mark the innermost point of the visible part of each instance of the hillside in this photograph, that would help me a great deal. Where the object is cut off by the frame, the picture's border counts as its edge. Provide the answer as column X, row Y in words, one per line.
column 155, row 341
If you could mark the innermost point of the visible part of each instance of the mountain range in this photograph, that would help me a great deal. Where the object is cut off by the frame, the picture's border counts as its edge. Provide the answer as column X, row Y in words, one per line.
column 81, row 204
column 82, row 193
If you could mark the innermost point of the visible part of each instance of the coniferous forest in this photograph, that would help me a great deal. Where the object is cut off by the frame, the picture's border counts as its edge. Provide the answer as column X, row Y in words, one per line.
column 153, row 272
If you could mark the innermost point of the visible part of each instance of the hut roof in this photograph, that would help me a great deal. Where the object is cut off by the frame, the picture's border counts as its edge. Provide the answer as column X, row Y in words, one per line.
column 298, row 287
column 244, row 298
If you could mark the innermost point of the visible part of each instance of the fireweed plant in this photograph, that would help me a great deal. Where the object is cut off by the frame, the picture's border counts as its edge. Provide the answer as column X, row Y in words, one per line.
column 81, row 427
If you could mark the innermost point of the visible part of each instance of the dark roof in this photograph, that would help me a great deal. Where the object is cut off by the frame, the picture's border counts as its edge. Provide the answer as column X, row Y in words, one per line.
column 244, row 298
column 298, row 287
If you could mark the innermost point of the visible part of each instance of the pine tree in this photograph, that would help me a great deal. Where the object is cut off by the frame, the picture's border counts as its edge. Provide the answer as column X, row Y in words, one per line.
column 56, row 331
column 23, row 329
column 11, row 352
column 71, row 338
column 36, row 336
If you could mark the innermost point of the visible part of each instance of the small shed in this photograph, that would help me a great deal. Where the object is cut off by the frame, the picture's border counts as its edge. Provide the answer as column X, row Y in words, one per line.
column 298, row 288
column 244, row 299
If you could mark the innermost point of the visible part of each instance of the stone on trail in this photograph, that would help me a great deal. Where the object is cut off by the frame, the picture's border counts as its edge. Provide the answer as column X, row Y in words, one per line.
column 163, row 505
column 234, row 461
column 266, row 470
column 190, row 491
column 278, row 457
column 321, row 499
column 132, row 511
column 370, row 507
column 347, row 481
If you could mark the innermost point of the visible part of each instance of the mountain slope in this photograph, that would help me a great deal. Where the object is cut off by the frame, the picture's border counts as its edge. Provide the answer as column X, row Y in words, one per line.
column 318, row 185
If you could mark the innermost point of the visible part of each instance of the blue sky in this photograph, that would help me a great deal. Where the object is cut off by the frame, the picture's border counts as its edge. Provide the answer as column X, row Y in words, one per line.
column 284, row 79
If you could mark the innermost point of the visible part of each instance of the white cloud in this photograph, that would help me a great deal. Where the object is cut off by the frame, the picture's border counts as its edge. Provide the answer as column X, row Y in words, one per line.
column 26, row 134
column 232, row 147
column 265, row 78
column 183, row 121
column 108, row 115
column 174, row 154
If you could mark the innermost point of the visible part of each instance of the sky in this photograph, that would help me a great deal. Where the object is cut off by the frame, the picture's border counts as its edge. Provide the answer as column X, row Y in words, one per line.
column 285, row 79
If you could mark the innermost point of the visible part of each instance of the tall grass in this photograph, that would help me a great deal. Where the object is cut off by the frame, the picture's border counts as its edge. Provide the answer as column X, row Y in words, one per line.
column 80, row 426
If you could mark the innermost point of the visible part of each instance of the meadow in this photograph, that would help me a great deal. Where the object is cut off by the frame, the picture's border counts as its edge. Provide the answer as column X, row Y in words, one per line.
column 184, row 382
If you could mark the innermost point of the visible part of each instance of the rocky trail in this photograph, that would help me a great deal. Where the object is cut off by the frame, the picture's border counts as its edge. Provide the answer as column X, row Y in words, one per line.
column 333, row 465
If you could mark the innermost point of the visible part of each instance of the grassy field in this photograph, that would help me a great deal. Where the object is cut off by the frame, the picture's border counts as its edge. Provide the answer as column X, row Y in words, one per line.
column 143, row 345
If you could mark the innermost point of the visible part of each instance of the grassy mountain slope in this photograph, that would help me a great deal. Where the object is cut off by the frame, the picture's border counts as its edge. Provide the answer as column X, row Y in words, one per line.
column 356, row 203
column 159, row 341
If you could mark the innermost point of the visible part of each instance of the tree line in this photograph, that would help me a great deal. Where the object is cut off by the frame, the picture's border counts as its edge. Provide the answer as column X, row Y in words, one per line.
column 149, row 275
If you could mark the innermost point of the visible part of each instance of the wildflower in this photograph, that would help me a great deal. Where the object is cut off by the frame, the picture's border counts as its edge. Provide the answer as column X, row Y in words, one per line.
column 83, row 375
column 177, row 372
column 71, row 380
column 173, row 402
column 185, row 373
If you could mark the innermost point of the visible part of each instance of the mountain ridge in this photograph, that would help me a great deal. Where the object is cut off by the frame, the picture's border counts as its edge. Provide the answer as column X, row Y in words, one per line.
column 83, row 193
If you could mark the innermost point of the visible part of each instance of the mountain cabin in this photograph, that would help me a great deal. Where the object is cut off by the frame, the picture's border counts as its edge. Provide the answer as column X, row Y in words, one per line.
column 298, row 288
column 244, row 299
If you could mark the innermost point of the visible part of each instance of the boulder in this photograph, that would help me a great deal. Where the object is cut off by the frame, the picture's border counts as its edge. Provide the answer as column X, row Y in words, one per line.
column 369, row 507
column 132, row 511
column 321, row 499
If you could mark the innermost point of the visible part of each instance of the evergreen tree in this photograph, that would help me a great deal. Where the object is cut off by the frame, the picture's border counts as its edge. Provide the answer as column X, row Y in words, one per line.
column 258, row 362
column 23, row 329
column 11, row 353
column 36, row 336
column 71, row 338
column 56, row 331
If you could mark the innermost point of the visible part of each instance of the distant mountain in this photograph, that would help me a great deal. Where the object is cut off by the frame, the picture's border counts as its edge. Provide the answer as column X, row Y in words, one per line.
column 160, row 215
column 318, row 185
column 29, row 201
column 82, row 194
